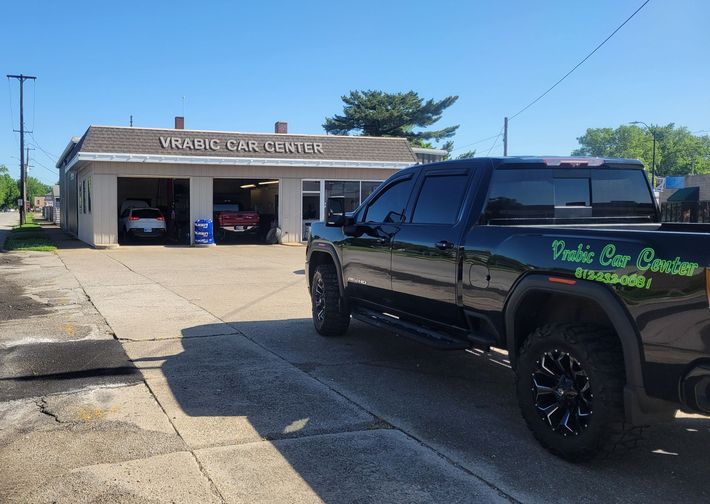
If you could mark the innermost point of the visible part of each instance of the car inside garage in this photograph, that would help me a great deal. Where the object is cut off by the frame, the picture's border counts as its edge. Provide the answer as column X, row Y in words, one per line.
column 245, row 210
column 163, row 202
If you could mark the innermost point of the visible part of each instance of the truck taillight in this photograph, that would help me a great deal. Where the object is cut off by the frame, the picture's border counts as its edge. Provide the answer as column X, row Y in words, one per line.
column 707, row 284
column 133, row 217
column 160, row 217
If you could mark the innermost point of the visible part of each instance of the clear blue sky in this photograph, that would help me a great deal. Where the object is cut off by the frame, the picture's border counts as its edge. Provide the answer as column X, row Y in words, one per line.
column 244, row 65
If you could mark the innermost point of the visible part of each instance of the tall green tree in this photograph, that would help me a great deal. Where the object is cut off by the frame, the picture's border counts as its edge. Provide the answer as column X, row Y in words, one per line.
column 35, row 188
column 376, row 113
column 678, row 151
column 467, row 154
column 9, row 192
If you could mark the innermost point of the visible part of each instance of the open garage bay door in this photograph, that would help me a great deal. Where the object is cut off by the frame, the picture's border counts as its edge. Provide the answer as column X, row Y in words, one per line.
column 170, row 196
column 245, row 210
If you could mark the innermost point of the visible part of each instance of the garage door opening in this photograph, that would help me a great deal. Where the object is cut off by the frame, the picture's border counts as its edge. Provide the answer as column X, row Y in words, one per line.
column 245, row 210
column 153, row 210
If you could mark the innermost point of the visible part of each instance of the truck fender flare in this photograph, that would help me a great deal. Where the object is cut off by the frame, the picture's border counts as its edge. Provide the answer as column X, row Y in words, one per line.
column 323, row 247
column 612, row 306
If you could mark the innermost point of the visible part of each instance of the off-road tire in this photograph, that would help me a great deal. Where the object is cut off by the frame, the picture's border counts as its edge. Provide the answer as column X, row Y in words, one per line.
column 598, row 351
column 331, row 317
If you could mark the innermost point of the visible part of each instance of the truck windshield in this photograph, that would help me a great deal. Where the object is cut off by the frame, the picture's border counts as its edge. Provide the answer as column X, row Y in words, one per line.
column 560, row 195
column 226, row 207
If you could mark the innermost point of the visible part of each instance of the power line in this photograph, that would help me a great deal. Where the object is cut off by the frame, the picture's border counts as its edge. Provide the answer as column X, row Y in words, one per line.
column 52, row 170
column 580, row 63
column 475, row 143
column 52, row 157
column 11, row 109
column 494, row 142
column 34, row 102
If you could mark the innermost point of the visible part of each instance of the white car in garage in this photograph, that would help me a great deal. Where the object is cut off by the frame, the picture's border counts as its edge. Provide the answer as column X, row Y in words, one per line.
column 142, row 223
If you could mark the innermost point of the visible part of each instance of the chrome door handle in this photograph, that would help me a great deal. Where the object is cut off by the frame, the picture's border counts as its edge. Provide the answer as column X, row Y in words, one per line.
column 444, row 245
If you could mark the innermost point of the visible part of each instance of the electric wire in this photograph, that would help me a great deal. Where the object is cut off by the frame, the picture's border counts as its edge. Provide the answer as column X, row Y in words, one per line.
column 495, row 142
column 34, row 102
column 52, row 170
column 578, row 64
column 533, row 102
column 474, row 143
column 35, row 143
column 11, row 108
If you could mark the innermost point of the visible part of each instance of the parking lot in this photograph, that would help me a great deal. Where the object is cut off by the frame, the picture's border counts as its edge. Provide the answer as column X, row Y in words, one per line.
column 239, row 400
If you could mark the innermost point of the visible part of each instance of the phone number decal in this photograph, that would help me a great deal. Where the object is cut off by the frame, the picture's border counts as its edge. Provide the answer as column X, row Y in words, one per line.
column 632, row 280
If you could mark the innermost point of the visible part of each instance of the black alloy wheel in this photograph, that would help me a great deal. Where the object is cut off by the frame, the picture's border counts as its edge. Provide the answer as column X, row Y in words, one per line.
column 562, row 392
column 570, row 380
column 331, row 317
column 319, row 299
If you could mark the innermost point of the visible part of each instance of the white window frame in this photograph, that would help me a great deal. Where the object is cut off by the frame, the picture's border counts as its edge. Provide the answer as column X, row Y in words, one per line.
column 321, row 192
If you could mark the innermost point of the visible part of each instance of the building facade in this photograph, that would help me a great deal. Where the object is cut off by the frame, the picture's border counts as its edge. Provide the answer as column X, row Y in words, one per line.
column 286, row 178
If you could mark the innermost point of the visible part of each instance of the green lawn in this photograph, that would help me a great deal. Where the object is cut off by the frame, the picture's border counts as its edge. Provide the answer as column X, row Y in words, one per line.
column 29, row 237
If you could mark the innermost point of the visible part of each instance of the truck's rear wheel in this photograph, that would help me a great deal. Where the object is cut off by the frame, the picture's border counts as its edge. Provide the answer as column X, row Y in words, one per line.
column 570, row 380
column 330, row 314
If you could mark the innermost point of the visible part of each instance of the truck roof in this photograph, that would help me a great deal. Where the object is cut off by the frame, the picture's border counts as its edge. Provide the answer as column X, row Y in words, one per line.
column 558, row 161
column 571, row 161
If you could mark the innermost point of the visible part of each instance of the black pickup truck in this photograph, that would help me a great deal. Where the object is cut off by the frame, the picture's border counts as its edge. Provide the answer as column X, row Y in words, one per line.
column 563, row 262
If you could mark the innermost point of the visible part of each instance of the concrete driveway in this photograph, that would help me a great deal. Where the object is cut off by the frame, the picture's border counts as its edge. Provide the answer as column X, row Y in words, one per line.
column 243, row 402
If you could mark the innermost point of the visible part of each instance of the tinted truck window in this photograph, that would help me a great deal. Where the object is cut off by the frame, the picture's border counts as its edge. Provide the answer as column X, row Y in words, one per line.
column 520, row 194
column 535, row 194
column 390, row 204
column 440, row 199
column 621, row 192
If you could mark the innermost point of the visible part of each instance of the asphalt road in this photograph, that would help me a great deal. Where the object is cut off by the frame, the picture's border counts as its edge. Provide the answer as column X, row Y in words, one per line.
column 242, row 401
column 7, row 220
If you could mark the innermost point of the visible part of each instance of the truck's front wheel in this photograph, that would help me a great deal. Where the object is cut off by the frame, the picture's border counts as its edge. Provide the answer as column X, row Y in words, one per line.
column 570, row 380
column 330, row 314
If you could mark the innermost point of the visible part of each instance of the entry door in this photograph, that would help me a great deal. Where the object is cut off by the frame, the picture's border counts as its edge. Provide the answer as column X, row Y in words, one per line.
column 367, row 250
column 425, row 250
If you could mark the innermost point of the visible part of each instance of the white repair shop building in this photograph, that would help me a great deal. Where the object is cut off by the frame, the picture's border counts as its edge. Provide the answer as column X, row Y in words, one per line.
column 286, row 178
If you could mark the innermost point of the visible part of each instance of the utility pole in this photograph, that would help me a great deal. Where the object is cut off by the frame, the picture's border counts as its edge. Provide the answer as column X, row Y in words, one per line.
column 505, row 136
column 27, row 171
column 23, row 168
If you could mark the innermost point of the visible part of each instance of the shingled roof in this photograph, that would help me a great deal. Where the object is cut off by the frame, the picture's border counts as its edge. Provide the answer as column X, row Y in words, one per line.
column 172, row 142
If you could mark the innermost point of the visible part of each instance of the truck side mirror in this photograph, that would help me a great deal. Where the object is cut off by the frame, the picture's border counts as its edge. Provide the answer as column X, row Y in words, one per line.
column 335, row 212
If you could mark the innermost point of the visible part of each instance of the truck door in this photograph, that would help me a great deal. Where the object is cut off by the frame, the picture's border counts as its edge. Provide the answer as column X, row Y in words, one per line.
column 367, row 252
column 425, row 251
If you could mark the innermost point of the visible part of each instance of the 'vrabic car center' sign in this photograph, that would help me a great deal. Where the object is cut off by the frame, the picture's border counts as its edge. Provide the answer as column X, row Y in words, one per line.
column 237, row 145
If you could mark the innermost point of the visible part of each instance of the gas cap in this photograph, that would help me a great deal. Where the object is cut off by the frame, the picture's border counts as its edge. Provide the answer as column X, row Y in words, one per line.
column 478, row 276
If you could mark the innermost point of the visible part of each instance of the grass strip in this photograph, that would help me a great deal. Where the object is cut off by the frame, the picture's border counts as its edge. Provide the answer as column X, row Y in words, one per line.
column 29, row 237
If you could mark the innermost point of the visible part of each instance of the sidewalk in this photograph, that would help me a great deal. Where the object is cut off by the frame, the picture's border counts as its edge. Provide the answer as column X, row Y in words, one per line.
column 215, row 417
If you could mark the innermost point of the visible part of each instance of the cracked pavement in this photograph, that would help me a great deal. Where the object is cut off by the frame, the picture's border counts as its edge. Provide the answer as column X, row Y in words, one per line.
column 194, row 375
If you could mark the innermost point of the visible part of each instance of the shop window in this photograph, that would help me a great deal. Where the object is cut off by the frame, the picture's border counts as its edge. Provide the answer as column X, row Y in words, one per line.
column 310, row 206
column 348, row 191
column 367, row 188
column 81, row 196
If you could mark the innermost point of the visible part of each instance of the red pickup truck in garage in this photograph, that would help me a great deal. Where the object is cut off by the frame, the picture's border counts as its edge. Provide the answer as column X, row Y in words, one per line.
column 230, row 218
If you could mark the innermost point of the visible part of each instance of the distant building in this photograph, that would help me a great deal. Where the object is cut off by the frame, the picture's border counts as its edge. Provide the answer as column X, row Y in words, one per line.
column 52, row 205
column 38, row 202
column 429, row 155
column 686, row 199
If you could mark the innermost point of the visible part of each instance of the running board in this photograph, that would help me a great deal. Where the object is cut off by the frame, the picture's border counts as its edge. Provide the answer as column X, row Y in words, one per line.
column 417, row 333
